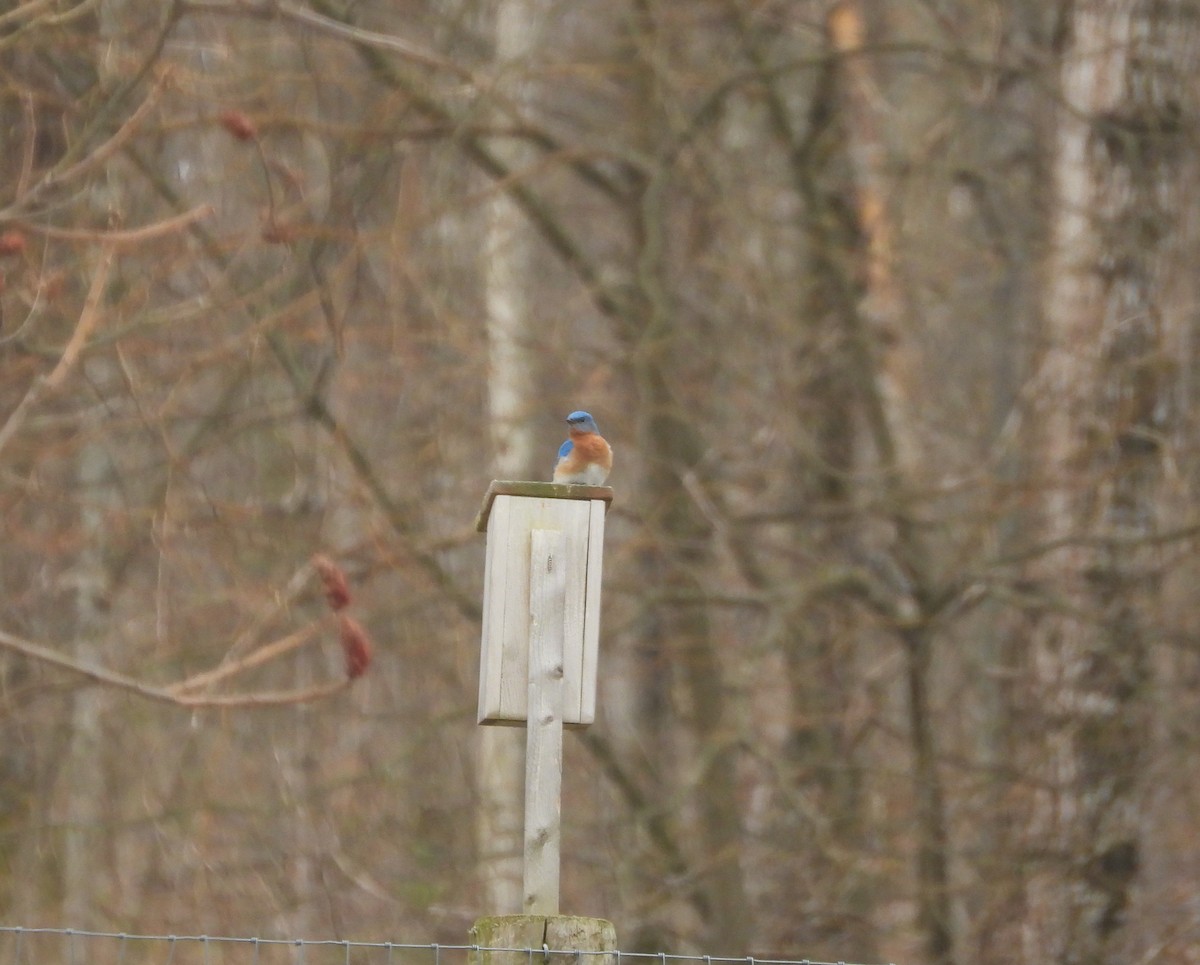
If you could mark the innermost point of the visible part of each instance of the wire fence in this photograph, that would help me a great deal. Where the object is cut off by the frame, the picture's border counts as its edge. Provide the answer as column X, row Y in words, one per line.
column 67, row 946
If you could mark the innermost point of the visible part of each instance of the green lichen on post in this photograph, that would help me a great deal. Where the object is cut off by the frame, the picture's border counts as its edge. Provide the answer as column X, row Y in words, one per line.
column 506, row 940
column 537, row 490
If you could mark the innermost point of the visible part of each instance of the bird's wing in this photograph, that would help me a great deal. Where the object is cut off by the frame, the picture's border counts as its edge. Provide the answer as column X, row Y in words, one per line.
column 565, row 449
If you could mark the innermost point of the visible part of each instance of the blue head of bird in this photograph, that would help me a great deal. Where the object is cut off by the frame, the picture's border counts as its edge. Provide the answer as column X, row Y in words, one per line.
column 582, row 422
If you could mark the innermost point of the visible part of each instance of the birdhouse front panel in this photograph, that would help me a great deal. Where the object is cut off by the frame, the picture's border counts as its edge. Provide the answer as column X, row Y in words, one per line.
column 504, row 663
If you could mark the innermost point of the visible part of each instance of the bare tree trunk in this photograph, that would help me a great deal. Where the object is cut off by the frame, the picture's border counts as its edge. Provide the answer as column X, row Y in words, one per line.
column 897, row 365
column 888, row 367
column 681, row 637
column 820, row 643
column 880, row 366
column 83, row 776
column 82, row 781
column 674, row 650
column 1103, row 415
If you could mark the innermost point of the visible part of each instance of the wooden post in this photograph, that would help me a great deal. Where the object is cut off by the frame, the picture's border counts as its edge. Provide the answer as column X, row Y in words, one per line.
column 505, row 940
column 544, row 728
column 541, row 627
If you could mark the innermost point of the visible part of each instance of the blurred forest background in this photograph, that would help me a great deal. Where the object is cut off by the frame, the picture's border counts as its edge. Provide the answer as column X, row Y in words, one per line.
column 889, row 309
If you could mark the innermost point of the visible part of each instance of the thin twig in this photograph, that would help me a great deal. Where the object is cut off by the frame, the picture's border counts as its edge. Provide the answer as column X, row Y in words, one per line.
column 111, row 678
column 120, row 238
column 30, row 116
column 88, row 319
column 25, row 11
column 332, row 27
column 268, row 698
column 120, row 138
column 279, row 603
column 23, row 329
column 35, row 651
column 256, row 658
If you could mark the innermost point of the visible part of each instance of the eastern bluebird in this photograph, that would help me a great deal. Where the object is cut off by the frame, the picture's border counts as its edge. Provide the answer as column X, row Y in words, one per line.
column 585, row 458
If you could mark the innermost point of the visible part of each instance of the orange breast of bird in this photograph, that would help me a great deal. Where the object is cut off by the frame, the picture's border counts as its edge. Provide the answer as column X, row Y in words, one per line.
column 590, row 447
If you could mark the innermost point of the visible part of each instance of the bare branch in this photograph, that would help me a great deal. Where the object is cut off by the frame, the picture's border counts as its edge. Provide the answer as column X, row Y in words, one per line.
column 182, row 693
column 269, row 698
column 88, row 318
column 370, row 38
column 331, row 27
column 119, row 139
column 47, row 655
column 256, row 658
column 121, row 238
column 30, row 117
column 174, row 694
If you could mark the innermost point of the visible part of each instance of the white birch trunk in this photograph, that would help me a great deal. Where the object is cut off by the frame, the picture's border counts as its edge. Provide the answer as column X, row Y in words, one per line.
column 1102, row 402
column 512, row 381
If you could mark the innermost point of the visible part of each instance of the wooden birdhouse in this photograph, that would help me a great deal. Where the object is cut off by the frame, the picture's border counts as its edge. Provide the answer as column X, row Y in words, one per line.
column 545, row 545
